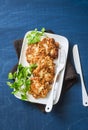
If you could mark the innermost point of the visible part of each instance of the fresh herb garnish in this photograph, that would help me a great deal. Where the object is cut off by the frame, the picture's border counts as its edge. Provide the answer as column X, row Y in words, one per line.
column 32, row 67
column 35, row 36
column 21, row 79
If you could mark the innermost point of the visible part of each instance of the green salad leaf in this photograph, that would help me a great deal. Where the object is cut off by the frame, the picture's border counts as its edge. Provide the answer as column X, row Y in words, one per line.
column 21, row 79
column 35, row 36
column 32, row 67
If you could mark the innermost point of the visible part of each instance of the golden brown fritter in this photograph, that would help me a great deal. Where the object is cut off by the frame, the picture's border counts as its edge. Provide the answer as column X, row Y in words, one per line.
column 43, row 54
column 46, row 47
column 51, row 47
column 39, row 88
column 45, row 69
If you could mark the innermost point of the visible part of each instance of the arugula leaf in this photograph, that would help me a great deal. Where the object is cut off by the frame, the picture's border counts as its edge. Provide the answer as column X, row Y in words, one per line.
column 35, row 36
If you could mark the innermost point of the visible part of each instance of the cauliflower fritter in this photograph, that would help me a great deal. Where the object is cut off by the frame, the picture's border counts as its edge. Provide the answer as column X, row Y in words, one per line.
column 45, row 69
column 46, row 47
column 43, row 54
column 39, row 88
column 51, row 47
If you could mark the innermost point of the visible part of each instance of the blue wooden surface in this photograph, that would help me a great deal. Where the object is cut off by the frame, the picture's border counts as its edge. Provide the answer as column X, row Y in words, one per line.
column 65, row 17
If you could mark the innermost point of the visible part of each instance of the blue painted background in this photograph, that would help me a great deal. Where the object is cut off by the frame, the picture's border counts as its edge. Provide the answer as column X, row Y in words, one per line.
column 65, row 17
